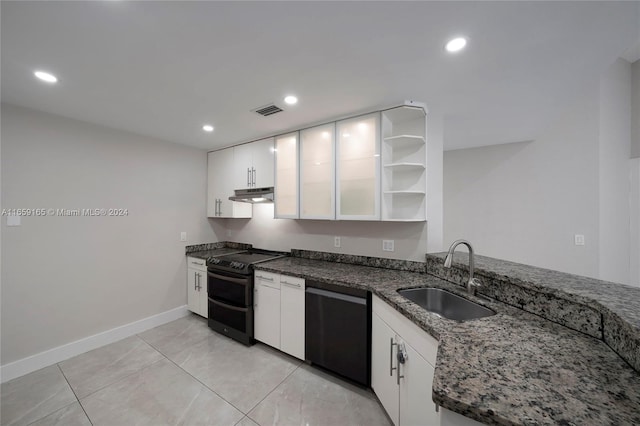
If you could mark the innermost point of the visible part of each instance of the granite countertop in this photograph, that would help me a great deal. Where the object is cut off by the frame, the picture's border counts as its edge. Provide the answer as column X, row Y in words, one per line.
column 205, row 254
column 622, row 299
column 510, row 368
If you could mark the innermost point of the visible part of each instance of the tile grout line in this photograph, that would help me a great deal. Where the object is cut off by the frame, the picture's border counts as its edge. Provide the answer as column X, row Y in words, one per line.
column 74, row 394
column 192, row 376
column 116, row 381
column 272, row 390
column 203, row 384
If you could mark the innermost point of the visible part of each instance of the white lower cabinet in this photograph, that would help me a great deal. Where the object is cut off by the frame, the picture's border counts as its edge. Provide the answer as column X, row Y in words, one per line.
column 266, row 308
column 279, row 312
column 403, row 387
column 292, row 316
column 197, row 286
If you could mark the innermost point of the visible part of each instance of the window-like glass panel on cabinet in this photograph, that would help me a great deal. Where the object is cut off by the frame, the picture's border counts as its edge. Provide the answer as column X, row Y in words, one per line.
column 317, row 172
column 286, row 185
column 358, row 162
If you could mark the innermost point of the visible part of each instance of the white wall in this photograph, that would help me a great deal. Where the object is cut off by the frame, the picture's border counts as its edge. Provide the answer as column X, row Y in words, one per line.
column 613, row 167
column 634, row 226
column 525, row 201
column 635, row 109
column 361, row 238
column 66, row 278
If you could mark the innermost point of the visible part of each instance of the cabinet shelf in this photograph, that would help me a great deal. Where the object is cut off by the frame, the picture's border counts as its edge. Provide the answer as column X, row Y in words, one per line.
column 405, row 140
column 405, row 192
column 405, row 166
column 405, row 113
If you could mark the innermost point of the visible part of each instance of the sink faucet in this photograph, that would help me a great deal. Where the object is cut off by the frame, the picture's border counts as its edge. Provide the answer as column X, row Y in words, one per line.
column 473, row 283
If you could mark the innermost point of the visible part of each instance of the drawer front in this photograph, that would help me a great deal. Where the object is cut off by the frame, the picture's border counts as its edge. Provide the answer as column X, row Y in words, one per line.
column 196, row 263
column 268, row 279
column 293, row 282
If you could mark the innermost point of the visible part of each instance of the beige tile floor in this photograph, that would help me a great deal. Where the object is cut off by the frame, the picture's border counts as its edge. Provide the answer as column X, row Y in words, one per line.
column 182, row 373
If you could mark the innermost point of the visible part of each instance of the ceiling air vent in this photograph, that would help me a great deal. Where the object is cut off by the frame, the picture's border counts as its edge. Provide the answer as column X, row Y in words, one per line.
column 268, row 110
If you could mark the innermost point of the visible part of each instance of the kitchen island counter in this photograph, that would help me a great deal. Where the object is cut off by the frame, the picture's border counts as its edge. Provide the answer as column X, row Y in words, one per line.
column 510, row 368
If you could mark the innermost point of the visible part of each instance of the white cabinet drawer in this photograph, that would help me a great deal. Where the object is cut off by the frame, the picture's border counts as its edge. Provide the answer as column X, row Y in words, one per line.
column 294, row 282
column 267, row 278
column 197, row 263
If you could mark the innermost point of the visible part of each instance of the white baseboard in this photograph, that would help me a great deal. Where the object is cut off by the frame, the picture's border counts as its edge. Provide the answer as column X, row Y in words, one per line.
column 49, row 357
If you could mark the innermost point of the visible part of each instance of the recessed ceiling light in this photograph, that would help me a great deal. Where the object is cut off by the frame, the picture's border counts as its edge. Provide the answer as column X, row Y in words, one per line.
column 45, row 76
column 291, row 100
column 207, row 128
column 456, row 44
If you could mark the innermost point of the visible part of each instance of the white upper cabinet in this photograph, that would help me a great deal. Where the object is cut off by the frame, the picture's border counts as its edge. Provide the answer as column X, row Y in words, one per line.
column 317, row 172
column 219, row 188
column 286, row 182
column 404, row 159
column 358, row 168
column 253, row 164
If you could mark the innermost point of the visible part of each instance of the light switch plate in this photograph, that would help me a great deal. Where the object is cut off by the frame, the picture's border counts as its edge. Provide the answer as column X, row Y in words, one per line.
column 183, row 236
column 336, row 242
column 578, row 239
column 388, row 245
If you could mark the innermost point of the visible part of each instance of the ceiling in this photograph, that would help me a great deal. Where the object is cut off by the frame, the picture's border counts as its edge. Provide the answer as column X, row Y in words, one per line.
column 164, row 69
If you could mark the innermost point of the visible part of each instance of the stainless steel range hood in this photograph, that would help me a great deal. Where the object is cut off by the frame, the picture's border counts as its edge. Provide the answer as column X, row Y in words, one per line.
column 253, row 195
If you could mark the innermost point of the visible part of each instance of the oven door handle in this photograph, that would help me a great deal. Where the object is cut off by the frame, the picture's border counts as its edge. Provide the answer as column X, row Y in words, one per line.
column 233, row 308
column 242, row 281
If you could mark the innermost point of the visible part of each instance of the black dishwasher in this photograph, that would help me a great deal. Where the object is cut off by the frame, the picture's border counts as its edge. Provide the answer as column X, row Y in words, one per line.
column 338, row 330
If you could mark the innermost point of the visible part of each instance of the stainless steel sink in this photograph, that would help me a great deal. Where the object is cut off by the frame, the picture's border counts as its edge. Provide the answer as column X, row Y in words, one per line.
column 446, row 304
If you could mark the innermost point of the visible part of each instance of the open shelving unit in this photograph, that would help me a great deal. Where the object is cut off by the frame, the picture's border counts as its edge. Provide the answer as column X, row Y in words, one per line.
column 404, row 164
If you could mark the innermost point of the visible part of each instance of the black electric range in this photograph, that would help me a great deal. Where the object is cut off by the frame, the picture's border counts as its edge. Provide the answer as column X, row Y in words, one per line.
column 242, row 263
column 230, row 292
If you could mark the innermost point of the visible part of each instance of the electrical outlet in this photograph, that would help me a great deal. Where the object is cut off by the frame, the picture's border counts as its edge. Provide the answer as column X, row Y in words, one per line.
column 183, row 236
column 578, row 239
column 336, row 241
column 388, row 245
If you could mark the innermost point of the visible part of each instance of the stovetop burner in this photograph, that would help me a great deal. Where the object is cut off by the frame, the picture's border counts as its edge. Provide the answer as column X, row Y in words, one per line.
column 242, row 262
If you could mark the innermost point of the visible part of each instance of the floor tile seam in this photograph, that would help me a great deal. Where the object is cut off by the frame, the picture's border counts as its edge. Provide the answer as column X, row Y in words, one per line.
column 110, row 383
column 165, row 355
column 45, row 415
column 207, row 387
column 74, row 393
column 272, row 390
column 64, row 406
column 120, row 379
column 59, row 409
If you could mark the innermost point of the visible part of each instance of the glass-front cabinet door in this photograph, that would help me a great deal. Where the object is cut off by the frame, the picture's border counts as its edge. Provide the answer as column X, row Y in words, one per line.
column 317, row 172
column 286, row 185
column 358, row 168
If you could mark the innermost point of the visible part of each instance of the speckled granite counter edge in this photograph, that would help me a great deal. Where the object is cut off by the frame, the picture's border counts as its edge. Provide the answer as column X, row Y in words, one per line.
column 577, row 312
column 213, row 246
column 374, row 262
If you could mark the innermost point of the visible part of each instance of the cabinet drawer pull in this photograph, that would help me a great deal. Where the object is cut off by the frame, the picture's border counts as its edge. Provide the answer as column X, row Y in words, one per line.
column 198, row 263
column 248, row 177
column 253, row 176
column 264, row 278
column 391, row 367
column 291, row 284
